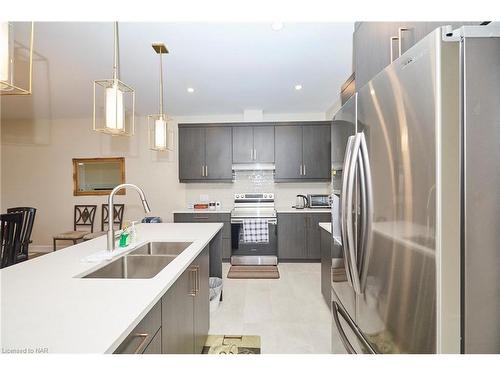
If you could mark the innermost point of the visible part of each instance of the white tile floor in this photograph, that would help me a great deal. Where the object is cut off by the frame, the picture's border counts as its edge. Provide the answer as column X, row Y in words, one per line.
column 289, row 314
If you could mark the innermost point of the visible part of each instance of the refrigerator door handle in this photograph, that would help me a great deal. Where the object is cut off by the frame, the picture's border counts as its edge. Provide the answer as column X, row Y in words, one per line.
column 367, row 214
column 343, row 208
column 336, row 309
column 348, row 215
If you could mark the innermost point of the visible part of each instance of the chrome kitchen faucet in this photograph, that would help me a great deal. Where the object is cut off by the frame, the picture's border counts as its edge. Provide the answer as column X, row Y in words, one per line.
column 111, row 210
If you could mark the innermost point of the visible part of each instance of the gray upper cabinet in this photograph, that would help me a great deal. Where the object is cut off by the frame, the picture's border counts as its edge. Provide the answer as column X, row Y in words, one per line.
column 242, row 144
column 302, row 152
column 263, row 143
column 316, row 153
column 288, row 152
column 205, row 153
column 374, row 41
column 218, row 164
column 191, row 153
column 253, row 144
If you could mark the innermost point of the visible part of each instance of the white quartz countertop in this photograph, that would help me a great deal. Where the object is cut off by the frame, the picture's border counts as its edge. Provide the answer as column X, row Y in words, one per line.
column 45, row 306
column 290, row 209
column 328, row 228
column 204, row 211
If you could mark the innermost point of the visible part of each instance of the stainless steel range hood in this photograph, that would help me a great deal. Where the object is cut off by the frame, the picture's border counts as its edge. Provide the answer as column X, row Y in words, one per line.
column 254, row 167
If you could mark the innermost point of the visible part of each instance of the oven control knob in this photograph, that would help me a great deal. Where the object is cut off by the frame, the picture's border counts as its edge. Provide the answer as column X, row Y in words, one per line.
column 237, row 195
column 265, row 195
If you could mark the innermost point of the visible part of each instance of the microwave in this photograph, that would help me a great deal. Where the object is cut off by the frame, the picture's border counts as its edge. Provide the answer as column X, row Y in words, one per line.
column 319, row 200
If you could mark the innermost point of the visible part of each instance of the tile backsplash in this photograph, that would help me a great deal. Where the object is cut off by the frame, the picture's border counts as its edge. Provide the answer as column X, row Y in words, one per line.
column 254, row 181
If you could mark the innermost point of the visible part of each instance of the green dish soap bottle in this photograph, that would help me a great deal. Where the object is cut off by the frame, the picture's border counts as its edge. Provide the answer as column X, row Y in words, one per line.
column 125, row 237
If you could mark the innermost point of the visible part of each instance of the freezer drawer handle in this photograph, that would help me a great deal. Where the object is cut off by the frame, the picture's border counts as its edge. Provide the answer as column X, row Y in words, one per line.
column 343, row 337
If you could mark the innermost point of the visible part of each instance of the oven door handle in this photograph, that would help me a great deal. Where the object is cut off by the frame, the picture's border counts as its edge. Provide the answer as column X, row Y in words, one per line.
column 240, row 221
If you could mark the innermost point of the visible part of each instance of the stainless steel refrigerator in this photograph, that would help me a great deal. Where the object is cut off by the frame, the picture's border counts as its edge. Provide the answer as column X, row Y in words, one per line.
column 420, row 202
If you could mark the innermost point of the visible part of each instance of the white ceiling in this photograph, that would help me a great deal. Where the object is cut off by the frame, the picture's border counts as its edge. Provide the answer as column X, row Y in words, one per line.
column 231, row 66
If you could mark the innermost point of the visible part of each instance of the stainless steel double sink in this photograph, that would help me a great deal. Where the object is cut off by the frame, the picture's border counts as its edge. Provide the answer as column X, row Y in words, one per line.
column 143, row 262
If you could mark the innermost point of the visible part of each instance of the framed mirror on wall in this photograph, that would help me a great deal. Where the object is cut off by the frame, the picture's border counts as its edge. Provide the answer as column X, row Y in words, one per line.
column 98, row 176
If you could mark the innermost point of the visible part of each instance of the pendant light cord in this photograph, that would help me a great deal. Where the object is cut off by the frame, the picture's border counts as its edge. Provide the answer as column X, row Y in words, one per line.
column 161, row 86
column 116, row 57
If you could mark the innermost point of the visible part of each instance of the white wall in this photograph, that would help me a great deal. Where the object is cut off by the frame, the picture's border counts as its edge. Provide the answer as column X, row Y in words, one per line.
column 36, row 170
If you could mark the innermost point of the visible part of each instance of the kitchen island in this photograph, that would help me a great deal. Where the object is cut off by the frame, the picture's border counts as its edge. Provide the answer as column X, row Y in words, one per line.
column 46, row 305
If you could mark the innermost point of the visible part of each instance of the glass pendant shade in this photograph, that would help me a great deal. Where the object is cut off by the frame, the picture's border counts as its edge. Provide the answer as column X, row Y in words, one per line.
column 114, row 102
column 160, row 137
column 16, row 58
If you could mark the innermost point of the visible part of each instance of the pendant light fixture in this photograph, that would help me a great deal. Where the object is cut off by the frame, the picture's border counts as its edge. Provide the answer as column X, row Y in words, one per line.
column 157, row 123
column 16, row 58
column 114, row 101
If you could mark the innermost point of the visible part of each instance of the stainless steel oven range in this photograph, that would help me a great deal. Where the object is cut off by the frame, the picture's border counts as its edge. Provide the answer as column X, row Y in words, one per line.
column 253, row 206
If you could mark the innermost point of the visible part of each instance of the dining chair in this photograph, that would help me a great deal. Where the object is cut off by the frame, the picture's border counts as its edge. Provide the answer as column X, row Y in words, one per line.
column 10, row 237
column 83, row 217
column 119, row 209
column 28, row 214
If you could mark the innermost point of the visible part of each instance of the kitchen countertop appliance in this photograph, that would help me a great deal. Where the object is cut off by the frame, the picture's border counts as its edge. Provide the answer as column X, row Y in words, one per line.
column 419, row 202
column 301, row 202
column 254, row 206
column 318, row 200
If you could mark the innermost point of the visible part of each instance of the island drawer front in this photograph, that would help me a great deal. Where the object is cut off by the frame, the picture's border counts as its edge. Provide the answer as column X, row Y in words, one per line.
column 142, row 335
column 206, row 218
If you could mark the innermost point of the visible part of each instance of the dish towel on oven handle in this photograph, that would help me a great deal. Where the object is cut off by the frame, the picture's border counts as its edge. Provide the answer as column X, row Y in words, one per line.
column 255, row 231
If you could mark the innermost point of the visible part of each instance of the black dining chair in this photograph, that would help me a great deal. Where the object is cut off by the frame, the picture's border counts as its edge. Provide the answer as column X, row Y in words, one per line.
column 26, row 229
column 10, row 237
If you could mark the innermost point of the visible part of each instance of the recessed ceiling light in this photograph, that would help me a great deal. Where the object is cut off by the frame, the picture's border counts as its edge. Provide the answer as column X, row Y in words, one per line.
column 190, row 90
column 298, row 87
column 277, row 26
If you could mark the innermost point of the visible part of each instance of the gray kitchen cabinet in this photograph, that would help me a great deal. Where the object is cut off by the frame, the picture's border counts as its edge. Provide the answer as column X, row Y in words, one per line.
column 201, row 301
column 374, row 41
column 154, row 347
column 205, row 153
column 218, row 164
column 185, row 309
column 326, row 265
column 263, row 143
column 314, row 233
column 225, row 219
column 191, row 154
column 316, row 152
column 288, row 152
column 142, row 335
column 253, row 144
column 243, row 144
column 302, row 152
column 177, row 316
column 299, row 235
column 291, row 237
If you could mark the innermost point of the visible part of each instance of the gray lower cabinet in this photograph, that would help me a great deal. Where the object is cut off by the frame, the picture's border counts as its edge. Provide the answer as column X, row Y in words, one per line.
column 154, row 347
column 225, row 219
column 205, row 153
column 142, row 336
column 299, row 235
column 302, row 152
column 291, row 237
column 314, row 233
column 185, row 310
column 326, row 265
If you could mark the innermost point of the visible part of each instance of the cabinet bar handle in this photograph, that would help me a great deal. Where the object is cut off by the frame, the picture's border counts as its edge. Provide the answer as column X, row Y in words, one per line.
column 400, row 39
column 300, row 169
column 197, row 279
column 192, row 285
column 304, row 169
column 144, row 337
column 206, row 170
column 254, row 154
column 202, row 171
column 393, row 38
